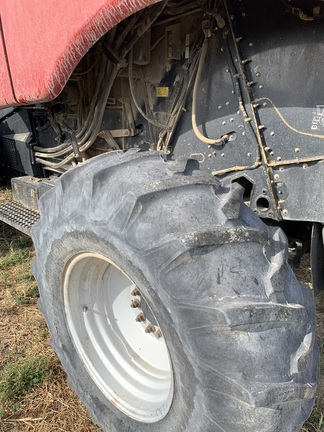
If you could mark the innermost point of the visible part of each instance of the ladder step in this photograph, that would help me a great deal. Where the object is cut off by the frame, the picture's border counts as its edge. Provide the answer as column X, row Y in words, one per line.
column 18, row 216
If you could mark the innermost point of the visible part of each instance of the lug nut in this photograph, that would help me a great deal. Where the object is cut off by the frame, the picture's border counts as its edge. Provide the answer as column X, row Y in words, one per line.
column 135, row 303
column 150, row 328
column 158, row 333
column 140, row 317
column 136, row 292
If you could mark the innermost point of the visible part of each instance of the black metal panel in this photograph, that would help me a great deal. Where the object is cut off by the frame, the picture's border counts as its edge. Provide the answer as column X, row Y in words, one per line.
column 16, row 140
column 17, row 150
column 300, row 189
column 218, row 114
column 256, row 193
column 14, row 121
column 286, row 56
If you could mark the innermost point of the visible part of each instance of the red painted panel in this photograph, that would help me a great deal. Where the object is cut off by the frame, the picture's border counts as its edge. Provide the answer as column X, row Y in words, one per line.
column 46, row 39
column 6, row 94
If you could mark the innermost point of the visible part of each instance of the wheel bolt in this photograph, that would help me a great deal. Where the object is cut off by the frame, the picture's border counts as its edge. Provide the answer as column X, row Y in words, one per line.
column 150, row 328
column 140, row 317
column 158, row 333
column 135, row 303
column 136, row 292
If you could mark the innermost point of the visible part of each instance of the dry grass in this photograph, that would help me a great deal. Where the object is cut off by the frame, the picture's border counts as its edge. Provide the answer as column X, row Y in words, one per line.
column 52, row 406
column 316, row 421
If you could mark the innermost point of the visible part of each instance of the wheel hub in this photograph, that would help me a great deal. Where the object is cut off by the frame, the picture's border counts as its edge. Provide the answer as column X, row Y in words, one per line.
column 117, row 337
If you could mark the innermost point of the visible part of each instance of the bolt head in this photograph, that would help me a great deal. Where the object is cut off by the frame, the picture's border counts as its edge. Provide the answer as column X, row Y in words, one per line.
column 135, row 303
column 136, row 292
column 140, row 317
column 150, row 328
column 158, row 333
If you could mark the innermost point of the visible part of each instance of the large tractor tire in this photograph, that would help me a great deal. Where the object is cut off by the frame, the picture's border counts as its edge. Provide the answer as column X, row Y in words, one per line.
column 169, row 303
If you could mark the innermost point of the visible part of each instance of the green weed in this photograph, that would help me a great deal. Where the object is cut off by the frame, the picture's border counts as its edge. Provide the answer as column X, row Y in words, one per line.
column 18, row 377
column 24, row 298
column 25, row 275
column 15, row 257
column 4, row 278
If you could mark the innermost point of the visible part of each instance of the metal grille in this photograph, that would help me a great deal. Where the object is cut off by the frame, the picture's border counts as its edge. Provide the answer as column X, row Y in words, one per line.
column 9, row 146
column 19, row 217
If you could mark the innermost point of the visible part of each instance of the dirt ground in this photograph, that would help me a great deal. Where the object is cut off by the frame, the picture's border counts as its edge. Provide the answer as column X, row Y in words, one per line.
column 53, row 406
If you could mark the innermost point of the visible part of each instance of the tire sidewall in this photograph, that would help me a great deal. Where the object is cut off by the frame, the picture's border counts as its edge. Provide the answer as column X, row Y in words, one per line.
column 104, row 413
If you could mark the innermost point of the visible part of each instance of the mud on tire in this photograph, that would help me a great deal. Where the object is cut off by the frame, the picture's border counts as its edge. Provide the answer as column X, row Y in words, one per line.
column 238, row 327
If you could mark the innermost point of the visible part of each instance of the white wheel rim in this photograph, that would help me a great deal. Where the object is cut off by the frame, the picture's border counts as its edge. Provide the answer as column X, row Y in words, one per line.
column 132, row 368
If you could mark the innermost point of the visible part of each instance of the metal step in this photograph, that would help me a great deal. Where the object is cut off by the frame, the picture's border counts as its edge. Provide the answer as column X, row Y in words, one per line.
column 18, row 216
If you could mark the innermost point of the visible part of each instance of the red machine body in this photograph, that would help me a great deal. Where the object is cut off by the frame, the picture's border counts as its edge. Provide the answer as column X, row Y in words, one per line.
column 42, row 42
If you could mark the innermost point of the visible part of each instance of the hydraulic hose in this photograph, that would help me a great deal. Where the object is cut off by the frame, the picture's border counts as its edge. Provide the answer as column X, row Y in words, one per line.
column 197, row 132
